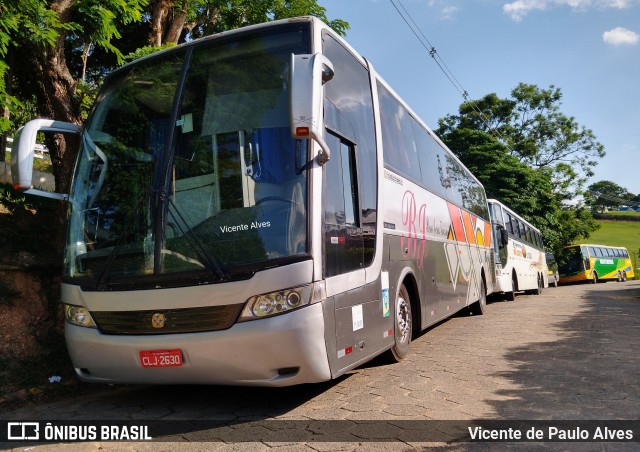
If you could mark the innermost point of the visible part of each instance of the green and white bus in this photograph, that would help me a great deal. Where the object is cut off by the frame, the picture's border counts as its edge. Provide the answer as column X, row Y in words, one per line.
column 259, row 207
column 595, row 263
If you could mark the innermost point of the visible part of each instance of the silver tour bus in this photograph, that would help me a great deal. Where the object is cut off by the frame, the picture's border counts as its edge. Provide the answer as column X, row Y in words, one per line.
column 259, row 207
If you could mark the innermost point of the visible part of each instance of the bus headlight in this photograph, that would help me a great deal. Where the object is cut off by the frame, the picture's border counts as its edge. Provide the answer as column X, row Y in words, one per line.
column 274, row 303
column 77, row 315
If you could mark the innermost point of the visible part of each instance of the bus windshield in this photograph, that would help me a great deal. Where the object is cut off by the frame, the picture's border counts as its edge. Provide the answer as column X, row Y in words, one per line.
column 572, row 261
column 188, row 169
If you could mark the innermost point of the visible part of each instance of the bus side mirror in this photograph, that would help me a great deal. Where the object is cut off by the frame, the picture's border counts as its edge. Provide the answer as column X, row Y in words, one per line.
column 23, row 149
column 307, row 75
column 504, row 236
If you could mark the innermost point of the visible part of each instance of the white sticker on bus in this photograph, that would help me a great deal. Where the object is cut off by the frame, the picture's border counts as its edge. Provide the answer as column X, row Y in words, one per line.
column 357, row 318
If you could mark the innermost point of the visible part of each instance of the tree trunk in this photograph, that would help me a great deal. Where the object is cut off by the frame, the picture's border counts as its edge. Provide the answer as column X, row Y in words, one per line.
column 175, row 26
column 55, row 93
column 5, row 112
column 159, row 16
column 55, row 96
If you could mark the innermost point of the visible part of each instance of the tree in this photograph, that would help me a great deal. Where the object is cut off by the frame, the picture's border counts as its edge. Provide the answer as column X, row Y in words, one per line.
column 36, row 36
column 606, row 194
column 174, row 20
column 536, row 132
column 534, row 191
column 56, row 39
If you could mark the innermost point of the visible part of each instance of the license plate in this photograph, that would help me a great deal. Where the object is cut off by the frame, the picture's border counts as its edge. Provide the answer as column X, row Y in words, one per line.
column 161, row 358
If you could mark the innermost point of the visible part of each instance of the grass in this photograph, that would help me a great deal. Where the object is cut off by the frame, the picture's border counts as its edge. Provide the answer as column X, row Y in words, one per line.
column 43, row 165
column 619, row 233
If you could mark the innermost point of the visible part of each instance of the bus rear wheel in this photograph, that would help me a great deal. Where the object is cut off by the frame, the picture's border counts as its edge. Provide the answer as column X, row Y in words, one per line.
column 538, row 289
column 480, row 306
column 403, row 326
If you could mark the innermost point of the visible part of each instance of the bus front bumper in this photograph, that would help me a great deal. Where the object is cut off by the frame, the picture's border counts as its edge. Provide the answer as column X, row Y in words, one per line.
column 280, row 351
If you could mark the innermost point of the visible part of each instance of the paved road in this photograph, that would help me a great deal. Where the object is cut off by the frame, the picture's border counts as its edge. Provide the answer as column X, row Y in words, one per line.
column 572, row 353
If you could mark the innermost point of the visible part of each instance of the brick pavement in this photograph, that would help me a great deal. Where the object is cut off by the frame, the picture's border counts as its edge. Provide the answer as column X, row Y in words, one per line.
column 571, row 353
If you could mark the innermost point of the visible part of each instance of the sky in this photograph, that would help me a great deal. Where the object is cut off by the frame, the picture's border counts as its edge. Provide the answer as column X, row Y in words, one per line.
column 590, row 49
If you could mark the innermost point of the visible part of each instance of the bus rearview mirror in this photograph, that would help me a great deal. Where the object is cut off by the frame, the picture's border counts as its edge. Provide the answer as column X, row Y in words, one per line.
column 23, row 149
column 504, row 236
column 308, row 73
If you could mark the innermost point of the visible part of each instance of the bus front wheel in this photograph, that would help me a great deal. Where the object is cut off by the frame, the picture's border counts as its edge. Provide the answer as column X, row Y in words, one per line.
column 403, row 326
column 595, row 278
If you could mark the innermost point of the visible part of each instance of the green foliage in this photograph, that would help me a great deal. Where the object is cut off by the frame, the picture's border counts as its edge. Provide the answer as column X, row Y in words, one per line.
column 618, row 233
column 607, row 194
column 98, row 22
column 147, row 50
column 536, row 132
column 12, row 200
column 205, row 17
column 616, row 215
column 506, row 143
column 86, row 94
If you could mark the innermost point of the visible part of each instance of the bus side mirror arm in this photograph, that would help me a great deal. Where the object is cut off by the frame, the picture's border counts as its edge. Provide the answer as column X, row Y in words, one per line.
column 22, row 153
column 308, row 73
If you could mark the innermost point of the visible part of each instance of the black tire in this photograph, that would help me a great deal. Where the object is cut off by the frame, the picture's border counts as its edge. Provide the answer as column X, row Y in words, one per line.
column 556, row 277
column 511, row 296
column 595, row 278
column 540, row 285
column 480, row 306
column 403, row 326
column 624, row 276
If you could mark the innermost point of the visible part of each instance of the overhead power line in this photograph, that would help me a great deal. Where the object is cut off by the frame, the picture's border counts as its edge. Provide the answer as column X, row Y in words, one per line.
column 433, row 53
column 437, row 58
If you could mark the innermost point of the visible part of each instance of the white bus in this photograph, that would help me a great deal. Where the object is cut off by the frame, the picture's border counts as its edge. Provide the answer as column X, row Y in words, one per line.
column 259, row 208
column 520, row 262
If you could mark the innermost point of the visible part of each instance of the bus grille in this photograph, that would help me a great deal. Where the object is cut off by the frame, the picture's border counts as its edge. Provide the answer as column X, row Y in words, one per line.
column 167, row 321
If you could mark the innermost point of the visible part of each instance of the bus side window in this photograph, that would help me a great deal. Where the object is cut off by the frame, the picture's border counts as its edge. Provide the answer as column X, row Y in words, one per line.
column 429, row 153
column 518, row 228
column 399, row 149
column 508, row 223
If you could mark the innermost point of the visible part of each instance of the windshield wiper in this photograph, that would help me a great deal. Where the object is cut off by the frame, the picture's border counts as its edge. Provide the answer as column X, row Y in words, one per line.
column 103, row 278
column 194, row 242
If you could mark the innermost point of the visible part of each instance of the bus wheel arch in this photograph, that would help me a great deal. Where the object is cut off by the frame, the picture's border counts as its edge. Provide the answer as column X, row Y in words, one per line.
column 406, row 318
column 480, row 306
column 511, row 296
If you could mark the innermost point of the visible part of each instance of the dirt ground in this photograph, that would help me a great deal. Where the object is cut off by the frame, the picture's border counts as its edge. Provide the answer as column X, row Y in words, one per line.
column 31, row 335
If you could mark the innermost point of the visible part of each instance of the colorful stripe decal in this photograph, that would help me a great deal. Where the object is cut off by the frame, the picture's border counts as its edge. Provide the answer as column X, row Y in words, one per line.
column 456, row 221
column 468, row 227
